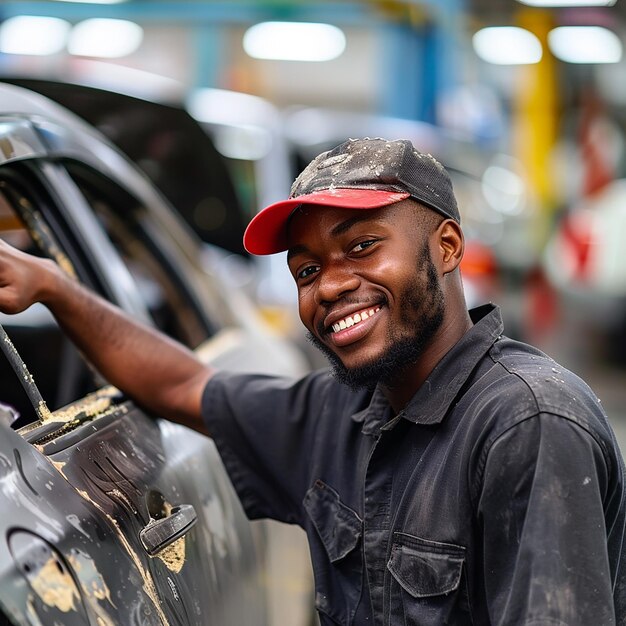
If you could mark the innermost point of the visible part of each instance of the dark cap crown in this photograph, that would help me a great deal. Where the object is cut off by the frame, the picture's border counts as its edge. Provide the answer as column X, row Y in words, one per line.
column 381, row 164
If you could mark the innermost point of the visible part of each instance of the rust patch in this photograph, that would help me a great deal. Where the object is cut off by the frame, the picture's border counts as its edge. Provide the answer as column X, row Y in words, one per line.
column 43, row 412
column 58, row 466
column 93, row 406
column 173, row 556
column 41, row 409
column 55, row 586
column 42, row 236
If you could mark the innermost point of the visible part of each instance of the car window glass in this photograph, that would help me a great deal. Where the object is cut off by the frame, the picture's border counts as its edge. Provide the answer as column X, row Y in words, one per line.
column 57, row 369
column 11, row 227
column 167, row 298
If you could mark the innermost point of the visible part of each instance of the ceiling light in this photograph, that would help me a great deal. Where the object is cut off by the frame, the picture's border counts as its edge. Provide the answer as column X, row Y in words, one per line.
column 503, row 189
column 507, row 45
column 109, row 38
column 294, row 41
column 585, row 44
column 96, row 1
column 568, row 3
column 33, row 35
column 220, row 106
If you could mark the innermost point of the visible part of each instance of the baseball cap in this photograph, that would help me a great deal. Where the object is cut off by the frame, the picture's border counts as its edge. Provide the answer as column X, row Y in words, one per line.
column 357, row 174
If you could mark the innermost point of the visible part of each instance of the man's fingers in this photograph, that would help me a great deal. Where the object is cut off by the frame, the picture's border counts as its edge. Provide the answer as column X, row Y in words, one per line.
column 16, row 279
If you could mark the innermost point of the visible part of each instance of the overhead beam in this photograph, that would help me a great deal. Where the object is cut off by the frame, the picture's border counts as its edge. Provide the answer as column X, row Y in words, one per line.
column 235, row 11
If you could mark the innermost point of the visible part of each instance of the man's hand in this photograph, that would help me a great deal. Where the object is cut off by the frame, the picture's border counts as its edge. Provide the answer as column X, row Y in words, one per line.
column 24, row 279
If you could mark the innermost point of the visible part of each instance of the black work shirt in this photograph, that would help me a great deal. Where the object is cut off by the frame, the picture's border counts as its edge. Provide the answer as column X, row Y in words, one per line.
column 495, row 497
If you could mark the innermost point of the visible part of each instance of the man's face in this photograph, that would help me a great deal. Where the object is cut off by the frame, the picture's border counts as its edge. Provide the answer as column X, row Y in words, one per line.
column 368, row 291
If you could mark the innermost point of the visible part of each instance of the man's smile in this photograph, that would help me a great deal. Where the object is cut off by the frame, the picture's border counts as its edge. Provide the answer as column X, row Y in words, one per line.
column 356, row 318
column 353, row 326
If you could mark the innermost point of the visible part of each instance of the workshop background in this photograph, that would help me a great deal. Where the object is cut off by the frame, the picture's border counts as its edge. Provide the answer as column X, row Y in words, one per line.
column 525, row 102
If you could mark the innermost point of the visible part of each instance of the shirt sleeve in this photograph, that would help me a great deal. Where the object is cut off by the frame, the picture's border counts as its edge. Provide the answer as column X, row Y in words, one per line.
column 542, row 518
column 264, row 430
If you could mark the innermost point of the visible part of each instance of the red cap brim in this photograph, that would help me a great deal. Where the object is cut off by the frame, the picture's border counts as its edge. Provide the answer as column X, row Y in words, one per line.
column 267, row 232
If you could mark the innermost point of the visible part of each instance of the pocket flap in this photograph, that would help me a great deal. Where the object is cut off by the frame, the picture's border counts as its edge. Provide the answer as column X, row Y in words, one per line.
column 338, row 526
column 425, row 568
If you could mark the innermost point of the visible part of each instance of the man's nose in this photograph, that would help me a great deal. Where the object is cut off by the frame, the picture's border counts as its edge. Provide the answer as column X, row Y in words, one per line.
column 335, row 281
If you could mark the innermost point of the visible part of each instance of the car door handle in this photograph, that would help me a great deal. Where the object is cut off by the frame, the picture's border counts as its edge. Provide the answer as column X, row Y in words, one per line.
column 160, row 533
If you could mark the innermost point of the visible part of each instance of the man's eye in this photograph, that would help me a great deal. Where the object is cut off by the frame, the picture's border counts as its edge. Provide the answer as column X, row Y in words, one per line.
column 363, row 244
column 307, row 271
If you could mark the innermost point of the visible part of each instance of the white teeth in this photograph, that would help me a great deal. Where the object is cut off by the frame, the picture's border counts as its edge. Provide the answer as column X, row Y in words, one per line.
column 354, row 319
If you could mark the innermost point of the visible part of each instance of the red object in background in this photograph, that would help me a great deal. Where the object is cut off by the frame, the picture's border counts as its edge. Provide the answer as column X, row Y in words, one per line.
column 541, row 306
column 598, row 170
column 577, row 241
column 478, row 261
column 480, row 273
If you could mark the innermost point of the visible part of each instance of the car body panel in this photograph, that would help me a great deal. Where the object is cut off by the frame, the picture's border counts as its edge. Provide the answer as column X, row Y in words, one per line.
column 80, row 505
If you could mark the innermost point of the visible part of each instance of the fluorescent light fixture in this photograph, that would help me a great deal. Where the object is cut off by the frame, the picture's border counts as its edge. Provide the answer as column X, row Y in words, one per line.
column 294, row 41
column 26, row 34
column 503, row 189
column 507, row 45
column 108, row 38
column 568, row 3
column 585, row 44
column 95, row 1
column 231, row 108
column 249, row 143
column 240, row 123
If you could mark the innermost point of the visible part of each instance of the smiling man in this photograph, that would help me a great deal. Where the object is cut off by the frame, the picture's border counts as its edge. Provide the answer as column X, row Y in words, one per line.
column 443, row 473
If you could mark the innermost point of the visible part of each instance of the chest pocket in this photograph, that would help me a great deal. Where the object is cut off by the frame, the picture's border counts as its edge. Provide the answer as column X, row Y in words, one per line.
column 334, row 537
column 430, row 588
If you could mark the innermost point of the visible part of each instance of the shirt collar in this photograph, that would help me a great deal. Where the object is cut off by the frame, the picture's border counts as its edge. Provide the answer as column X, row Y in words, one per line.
column 432, row 400
column 375, row 414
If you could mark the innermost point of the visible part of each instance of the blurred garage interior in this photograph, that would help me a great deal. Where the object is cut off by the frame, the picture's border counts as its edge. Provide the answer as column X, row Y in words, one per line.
column 523, row 101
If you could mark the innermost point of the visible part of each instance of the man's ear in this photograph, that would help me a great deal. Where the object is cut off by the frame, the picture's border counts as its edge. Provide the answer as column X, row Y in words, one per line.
column 451, row 245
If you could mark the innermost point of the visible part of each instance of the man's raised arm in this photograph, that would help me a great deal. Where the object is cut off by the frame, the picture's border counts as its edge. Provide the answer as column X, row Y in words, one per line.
column 156, row 371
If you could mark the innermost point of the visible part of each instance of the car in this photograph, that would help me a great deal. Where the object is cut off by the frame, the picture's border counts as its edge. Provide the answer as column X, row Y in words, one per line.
column 113, row 515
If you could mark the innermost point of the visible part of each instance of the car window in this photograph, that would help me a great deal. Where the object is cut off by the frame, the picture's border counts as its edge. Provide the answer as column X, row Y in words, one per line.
column 169, row 300
column 32, row 219
column 55, row 366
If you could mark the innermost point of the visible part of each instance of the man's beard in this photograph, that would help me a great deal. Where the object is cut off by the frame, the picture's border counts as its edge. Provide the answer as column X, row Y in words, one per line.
column 422, row 311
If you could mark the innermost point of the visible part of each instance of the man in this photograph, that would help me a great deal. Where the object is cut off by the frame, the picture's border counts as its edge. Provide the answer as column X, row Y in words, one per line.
column 444, row 474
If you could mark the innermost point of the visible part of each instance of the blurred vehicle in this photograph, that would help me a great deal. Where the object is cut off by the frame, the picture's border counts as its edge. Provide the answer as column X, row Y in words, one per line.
column 585, row 261
column 111, row 515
